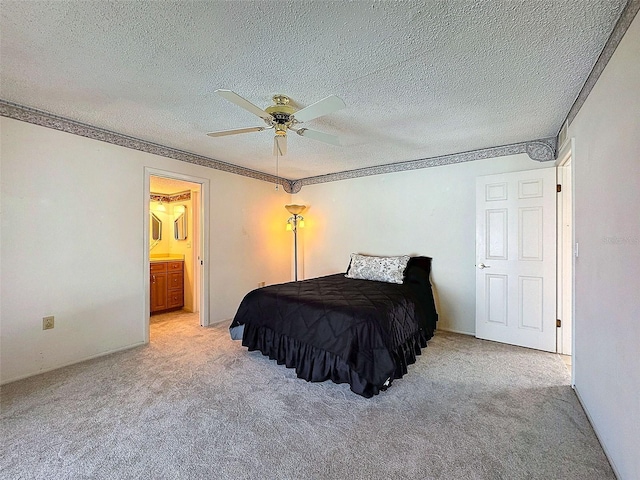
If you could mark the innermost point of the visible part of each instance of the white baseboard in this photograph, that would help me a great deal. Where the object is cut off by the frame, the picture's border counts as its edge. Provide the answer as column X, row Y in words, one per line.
column 91, row 357
column 224, row 320
column 595, row 429
column 455, row 331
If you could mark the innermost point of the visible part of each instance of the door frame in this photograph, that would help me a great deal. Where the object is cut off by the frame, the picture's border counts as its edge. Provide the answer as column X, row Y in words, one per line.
column 566, row 251
column 201, row 264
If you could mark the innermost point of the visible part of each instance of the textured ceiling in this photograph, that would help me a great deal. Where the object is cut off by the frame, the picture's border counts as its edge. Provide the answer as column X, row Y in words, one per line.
column 420, row 78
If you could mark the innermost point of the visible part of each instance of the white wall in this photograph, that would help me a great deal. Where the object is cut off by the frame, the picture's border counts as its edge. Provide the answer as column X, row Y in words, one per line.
column 420, row 212
column 606, row 167
column 72, row 245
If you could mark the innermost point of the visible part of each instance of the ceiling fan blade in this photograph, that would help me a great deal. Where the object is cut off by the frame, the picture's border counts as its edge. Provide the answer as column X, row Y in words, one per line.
column 280, row 145
column 244, row 103
column 320, row 136
column 223, row 133
column 320, row 108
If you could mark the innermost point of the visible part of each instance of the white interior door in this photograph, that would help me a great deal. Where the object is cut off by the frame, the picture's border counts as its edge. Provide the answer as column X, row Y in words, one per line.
column 516, row 258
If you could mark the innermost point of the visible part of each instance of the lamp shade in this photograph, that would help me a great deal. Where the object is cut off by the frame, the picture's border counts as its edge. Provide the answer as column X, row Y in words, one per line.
column 295, row 209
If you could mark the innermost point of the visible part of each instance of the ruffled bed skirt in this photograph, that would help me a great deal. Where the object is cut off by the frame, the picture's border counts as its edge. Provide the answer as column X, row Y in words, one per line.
column 317, row 365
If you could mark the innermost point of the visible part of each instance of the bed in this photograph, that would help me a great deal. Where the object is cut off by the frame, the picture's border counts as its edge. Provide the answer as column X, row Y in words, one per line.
column 359, row 328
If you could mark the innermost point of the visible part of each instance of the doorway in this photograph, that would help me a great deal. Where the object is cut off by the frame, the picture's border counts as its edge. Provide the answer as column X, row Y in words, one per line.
column 176, row 239
column 566, row 254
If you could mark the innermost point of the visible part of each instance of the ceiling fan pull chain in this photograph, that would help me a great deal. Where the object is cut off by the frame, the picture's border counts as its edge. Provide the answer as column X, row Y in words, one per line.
column 277, row 169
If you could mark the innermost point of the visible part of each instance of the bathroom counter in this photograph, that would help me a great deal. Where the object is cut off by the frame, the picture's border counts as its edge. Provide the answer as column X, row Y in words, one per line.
column 166, row 258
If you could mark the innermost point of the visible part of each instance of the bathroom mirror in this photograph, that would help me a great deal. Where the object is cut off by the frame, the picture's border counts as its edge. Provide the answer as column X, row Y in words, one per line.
column 155, row 225
column 180, row 223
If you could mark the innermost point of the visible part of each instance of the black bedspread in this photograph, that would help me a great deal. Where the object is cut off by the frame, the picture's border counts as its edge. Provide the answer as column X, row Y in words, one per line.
column 357, row 331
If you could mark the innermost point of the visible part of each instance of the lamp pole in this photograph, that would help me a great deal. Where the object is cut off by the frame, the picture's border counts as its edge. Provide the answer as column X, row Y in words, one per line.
column 292, row 224
column 295, row 245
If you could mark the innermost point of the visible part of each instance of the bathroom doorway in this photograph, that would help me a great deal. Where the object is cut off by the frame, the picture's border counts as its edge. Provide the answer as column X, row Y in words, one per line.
column 176, row 227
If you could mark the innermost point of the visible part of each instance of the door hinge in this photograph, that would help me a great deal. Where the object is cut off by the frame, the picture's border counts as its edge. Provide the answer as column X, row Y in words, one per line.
column 558, row 188
column 558, row 322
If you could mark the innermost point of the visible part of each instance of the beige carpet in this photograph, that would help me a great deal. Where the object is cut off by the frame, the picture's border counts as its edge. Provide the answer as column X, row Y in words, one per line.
column 194, row 404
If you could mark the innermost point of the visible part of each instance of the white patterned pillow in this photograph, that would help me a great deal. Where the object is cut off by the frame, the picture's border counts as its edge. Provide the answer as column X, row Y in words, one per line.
column 381, row 269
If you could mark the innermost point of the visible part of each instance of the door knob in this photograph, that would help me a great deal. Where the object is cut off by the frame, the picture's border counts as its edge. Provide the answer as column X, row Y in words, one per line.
column 482, row 265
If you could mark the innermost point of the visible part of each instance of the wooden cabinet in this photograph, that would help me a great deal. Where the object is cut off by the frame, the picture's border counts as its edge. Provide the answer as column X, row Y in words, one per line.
column 158, row 286
column 175, row 284
column 167, row 285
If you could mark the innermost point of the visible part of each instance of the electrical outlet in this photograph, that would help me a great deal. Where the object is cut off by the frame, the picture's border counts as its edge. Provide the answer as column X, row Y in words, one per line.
column 47, row 322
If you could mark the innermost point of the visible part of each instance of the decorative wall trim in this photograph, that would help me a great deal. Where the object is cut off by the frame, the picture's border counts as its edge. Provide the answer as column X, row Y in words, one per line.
column 157, row 197
column 542, row 150
column 175, row 197
column 180, row 197
column 621, row 27
column 44, row 119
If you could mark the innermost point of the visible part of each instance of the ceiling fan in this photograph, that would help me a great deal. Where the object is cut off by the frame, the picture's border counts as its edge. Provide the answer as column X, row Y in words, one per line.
column 282, row 117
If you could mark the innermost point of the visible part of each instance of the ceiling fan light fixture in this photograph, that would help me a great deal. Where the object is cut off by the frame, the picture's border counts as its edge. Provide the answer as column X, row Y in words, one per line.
column 281, row 109
column 282, row 117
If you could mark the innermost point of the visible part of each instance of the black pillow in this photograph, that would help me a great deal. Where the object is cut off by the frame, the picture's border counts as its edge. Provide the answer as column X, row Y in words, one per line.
column 416, row 277
column 418, row 268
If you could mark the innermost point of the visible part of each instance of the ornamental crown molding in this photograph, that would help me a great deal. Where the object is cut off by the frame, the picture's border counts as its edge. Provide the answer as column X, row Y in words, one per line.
column 620, row 28
column 48, row 120
column 168, row 198
column 540, row 150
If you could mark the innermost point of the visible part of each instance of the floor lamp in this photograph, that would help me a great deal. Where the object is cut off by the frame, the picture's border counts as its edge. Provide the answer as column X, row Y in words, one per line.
column 296, row 220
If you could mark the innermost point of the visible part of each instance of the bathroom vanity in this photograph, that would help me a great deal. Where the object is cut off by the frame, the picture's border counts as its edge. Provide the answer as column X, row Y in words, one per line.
column 167, row 284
